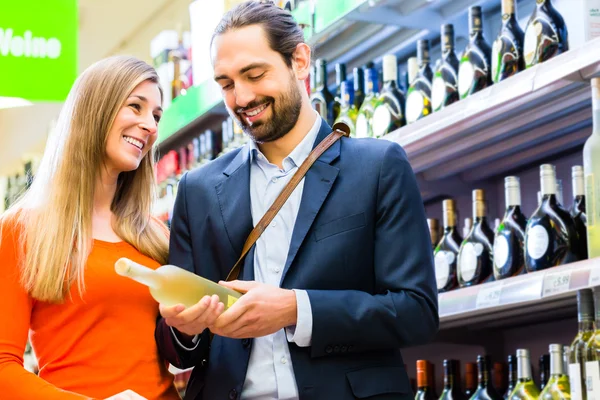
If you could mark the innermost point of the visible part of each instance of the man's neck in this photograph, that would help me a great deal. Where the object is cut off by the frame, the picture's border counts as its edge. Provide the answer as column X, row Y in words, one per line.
column 279, row 149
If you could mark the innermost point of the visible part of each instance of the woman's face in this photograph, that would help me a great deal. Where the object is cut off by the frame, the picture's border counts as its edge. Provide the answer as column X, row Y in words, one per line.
column 135, row 128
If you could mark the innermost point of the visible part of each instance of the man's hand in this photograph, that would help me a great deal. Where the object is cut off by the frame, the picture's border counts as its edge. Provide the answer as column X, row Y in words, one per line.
column 262, row 310
column 194, row 320
column 127, row 395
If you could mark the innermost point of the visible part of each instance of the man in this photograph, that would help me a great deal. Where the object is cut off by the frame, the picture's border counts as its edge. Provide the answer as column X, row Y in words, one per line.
column 340, row 280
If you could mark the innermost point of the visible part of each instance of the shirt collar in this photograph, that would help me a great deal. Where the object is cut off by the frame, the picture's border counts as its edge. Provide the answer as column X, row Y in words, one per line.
column 300, row 153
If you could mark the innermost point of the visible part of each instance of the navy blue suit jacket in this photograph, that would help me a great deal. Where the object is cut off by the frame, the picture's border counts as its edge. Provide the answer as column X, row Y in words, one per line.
column 361, row 249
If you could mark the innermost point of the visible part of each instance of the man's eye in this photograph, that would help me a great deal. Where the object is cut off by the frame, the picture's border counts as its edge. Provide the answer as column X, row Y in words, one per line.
column 257, row 77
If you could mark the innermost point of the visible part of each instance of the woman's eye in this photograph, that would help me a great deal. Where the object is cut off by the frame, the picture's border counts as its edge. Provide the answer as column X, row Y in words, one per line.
column 135, row 106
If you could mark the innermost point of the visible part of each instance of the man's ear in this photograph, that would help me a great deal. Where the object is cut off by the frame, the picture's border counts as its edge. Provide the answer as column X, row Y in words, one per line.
column 301, row 61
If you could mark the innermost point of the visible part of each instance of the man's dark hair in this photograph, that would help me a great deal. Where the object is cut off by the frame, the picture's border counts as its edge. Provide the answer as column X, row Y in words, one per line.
column 281, row 29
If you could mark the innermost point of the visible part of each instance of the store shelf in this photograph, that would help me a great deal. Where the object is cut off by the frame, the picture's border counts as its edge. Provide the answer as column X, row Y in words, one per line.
column 544, row 110
column 541, row 295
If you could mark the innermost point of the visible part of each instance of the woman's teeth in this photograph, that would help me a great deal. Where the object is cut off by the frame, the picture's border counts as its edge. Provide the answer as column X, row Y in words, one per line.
column 134, row 142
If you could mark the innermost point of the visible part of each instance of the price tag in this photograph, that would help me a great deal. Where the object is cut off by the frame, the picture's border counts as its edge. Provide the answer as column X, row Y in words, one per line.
column 556, row 283
column 594, row 276
column 488, row 296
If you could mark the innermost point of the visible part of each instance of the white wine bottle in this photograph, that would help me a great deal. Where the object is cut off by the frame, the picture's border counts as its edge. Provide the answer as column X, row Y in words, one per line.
column 171, row 285
column 591, row 169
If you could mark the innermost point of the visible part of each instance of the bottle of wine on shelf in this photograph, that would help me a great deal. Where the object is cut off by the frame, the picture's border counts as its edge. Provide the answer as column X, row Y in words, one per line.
column 322, row 99
column 418, row 97
column 526, row 389
column 507, row 51
column 424, row 388
column 470, row 379
column 546, row 34
column 544, row 367
column 340, row 76
column 359, row 87
column 467, row 227
column 485, row 390
column 512, row 376
column 509, row 243
column 364, row 121
column 434, row 231
column 171, row 285
column 446, row 252
column 577, row 352
column 559, row 193
column 474, row 73
column 445, row 81
column 452, row 381
column 500, row 381
column 389, row 109
column 592, row 353
column 475, row 256
column 578, row 211
column 550, row 238
column 412, row 69
column 557, row 387
column 591, row 169
column 348, row 111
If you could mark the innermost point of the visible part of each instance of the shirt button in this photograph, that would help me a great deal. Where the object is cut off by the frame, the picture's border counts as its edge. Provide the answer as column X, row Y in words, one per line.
column 276, row 270
column 274, row 224
column 274, row 180
column 283, row 360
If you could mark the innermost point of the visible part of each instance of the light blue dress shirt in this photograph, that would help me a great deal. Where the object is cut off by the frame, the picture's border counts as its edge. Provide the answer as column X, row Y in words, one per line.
column 270, row 372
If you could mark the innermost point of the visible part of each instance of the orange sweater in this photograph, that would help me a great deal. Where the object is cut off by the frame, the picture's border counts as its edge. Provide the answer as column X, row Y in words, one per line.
column 93, row 347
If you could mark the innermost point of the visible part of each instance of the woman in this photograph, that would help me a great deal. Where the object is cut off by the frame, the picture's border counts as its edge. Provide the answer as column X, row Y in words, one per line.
column 92, row 330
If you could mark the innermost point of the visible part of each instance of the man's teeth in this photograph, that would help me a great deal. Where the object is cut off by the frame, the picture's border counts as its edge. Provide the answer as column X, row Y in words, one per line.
column 134, row 142
column 256, row 111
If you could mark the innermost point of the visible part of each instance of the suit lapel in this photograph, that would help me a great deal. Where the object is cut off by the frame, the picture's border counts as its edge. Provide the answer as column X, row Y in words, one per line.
column 317, row 184
column 234, row 200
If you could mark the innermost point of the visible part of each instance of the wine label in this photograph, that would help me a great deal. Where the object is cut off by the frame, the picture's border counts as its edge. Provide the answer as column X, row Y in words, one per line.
column 592, row 379
column 504, row 51
column 575, row 381
column 466, row 77
column 230, row 300
column 381, row 120
column 500, row 251
column 438, row 92
column 443, row 260
column 467, row 262
column 362, row 126
column 539, row 36
column 537, row 242
column 414, row 106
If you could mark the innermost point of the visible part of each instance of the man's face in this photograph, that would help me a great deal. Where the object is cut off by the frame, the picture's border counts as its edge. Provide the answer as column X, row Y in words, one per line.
column 259, row 89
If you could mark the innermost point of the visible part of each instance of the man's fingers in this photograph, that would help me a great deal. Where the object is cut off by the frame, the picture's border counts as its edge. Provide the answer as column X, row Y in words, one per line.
column 230, row 316
column 239, row 286
column 172, row 311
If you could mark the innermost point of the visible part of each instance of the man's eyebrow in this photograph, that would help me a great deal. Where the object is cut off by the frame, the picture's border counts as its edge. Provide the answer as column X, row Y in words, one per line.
column 243, row 70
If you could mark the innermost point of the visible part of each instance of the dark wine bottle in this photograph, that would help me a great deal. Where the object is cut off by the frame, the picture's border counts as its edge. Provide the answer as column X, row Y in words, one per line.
column 546, row 35
column 446, row 252
column 512, row 376
column 424, row 387
column 475, row 262
column 507, row 51
column 474, row 73
column 500, row 381
column 322, row 99
column 418, row 97
column 578, row 211
column 445, row 81
column 340, row 76
column 544, row 369
column 359, row 87
column 485, row 389
column 434, row 231
column 470, row 379
column 509, row 242
column 550, row 237
column 452, row 381
column 389, row 109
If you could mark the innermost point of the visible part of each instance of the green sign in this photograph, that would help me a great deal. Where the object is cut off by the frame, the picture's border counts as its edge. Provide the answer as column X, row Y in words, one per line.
column 38, row 49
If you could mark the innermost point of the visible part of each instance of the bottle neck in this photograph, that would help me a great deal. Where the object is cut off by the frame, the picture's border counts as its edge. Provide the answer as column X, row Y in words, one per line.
column 523, row 369
column 448, row 44
column 321, row 77
column 478, row 211
column 508, row 10
column 548, row 183
column 513, row 196
column 475, row 28
column 141, row 274
column 596, row 110
column 556, row 364
column 423, row 56
column 585, row 315
column 340, row 76
column 359, row 82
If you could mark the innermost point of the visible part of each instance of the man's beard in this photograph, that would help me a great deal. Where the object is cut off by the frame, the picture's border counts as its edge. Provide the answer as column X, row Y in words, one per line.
column 285, row 112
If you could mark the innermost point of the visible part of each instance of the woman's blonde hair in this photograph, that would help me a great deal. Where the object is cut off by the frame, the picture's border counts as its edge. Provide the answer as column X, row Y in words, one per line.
column 55, row 214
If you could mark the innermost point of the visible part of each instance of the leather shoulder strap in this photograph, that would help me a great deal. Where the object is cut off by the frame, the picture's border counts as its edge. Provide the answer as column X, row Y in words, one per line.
column 339, row 130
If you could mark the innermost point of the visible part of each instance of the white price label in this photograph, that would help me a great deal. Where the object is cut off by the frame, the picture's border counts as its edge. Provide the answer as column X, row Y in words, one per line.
column 556, row 283
column 594, row 277
column 488, row 296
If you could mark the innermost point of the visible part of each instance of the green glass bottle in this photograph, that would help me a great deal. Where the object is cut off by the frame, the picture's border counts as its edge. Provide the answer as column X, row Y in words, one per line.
column 526, row 389
column 389, row 110
column 444, row 89
column 557, row 387
column 418, row 97
column 592, row 352
column 577, row 354
column 474, row 73
column 340, row 76
column 348, row 111
column 364, row 121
